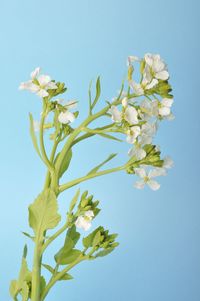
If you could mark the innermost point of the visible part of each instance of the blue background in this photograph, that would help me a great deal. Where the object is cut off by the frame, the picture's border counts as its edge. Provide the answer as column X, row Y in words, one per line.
column 74, row 41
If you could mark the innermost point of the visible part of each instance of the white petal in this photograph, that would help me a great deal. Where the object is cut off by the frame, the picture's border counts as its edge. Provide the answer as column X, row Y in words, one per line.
column 157, row 172
column 139, row 184
column 153, row 185
column 44, row 80
column 168, row 162
column 42, row 93
column 116, row 114
column 141, row 172
column 130, row 139
column 163, row 75
column 35, row 73
column 167, row 102
column 66, row 117
column 148, row 59
column 131, row 115
column 164, row 111
column 136, row 87
column 89, row 213
column 152, row 84
column 124, row 102
column 82, row 223
column 140, row 153
column 51, row 85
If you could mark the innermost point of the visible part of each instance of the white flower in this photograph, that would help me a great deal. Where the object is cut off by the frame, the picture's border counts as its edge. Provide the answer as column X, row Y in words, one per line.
column 132, row 134
column 148, row 130
column 168, row 162
column 147, row 178
column 129, row 113
column 156, row 66
column 39, row 84
column 137, row 151
column 165, row 106
column 138, row 89
column 116, row 114
column 84, row 221
column 66, row 117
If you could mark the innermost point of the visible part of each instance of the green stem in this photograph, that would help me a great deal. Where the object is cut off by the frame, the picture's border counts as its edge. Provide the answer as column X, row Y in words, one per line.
column 42, row 147
column 88, row 177
column 77, row 131
column 54, row 236
column 36, row 273
column 59, row 275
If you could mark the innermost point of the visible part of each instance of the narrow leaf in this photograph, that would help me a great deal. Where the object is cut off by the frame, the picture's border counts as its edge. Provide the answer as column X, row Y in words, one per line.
column 28, row 235
column 66, row 277
column 65, row 163
column 95, row 169
column 48, row 268
column 33, row 137
column 98, row 92
column 109, row 137
column 74, row 201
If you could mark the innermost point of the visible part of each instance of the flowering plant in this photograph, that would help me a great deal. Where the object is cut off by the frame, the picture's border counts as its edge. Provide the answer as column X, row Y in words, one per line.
column 136, row 113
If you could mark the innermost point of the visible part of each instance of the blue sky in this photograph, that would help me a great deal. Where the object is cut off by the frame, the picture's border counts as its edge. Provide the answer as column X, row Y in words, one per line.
column 75, row 41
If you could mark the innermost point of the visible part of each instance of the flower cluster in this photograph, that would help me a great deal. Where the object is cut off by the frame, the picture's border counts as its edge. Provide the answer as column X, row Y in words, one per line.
column 142, row 111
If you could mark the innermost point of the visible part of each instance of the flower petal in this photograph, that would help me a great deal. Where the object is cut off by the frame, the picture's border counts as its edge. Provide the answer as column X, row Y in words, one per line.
column 35, row 73
column 141, row 172
column 66, row 117
column 44, row 80
column 163, row 75
column 139, row 184
column 131, row 115
column 154, row 185
column 157, row 172
column 168, row 162
column 42, row 93
column 116, row 114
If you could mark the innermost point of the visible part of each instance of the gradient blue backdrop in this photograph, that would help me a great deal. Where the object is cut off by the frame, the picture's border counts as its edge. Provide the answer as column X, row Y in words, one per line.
column 74, row 41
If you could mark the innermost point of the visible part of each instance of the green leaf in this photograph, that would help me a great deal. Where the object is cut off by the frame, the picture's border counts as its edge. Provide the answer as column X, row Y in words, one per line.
column 25, row 291
column 95, row 169
column 109, row 137
column 67, row 257
column 65, row 163
column 74, row 201
column 13, row 288
column 42, row 284
column 43, row 213
column 71, row 239
column 88, row 240
column 33, row 137
column 66, row 277
column 28, row 235
column 25, row 251
column 96, row 239
column 104, row 252
column 25, row 274
column 98, row 92
column 49, row 268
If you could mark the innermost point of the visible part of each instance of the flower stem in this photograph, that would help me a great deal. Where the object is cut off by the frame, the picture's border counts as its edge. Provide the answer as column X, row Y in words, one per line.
column 36, row 273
